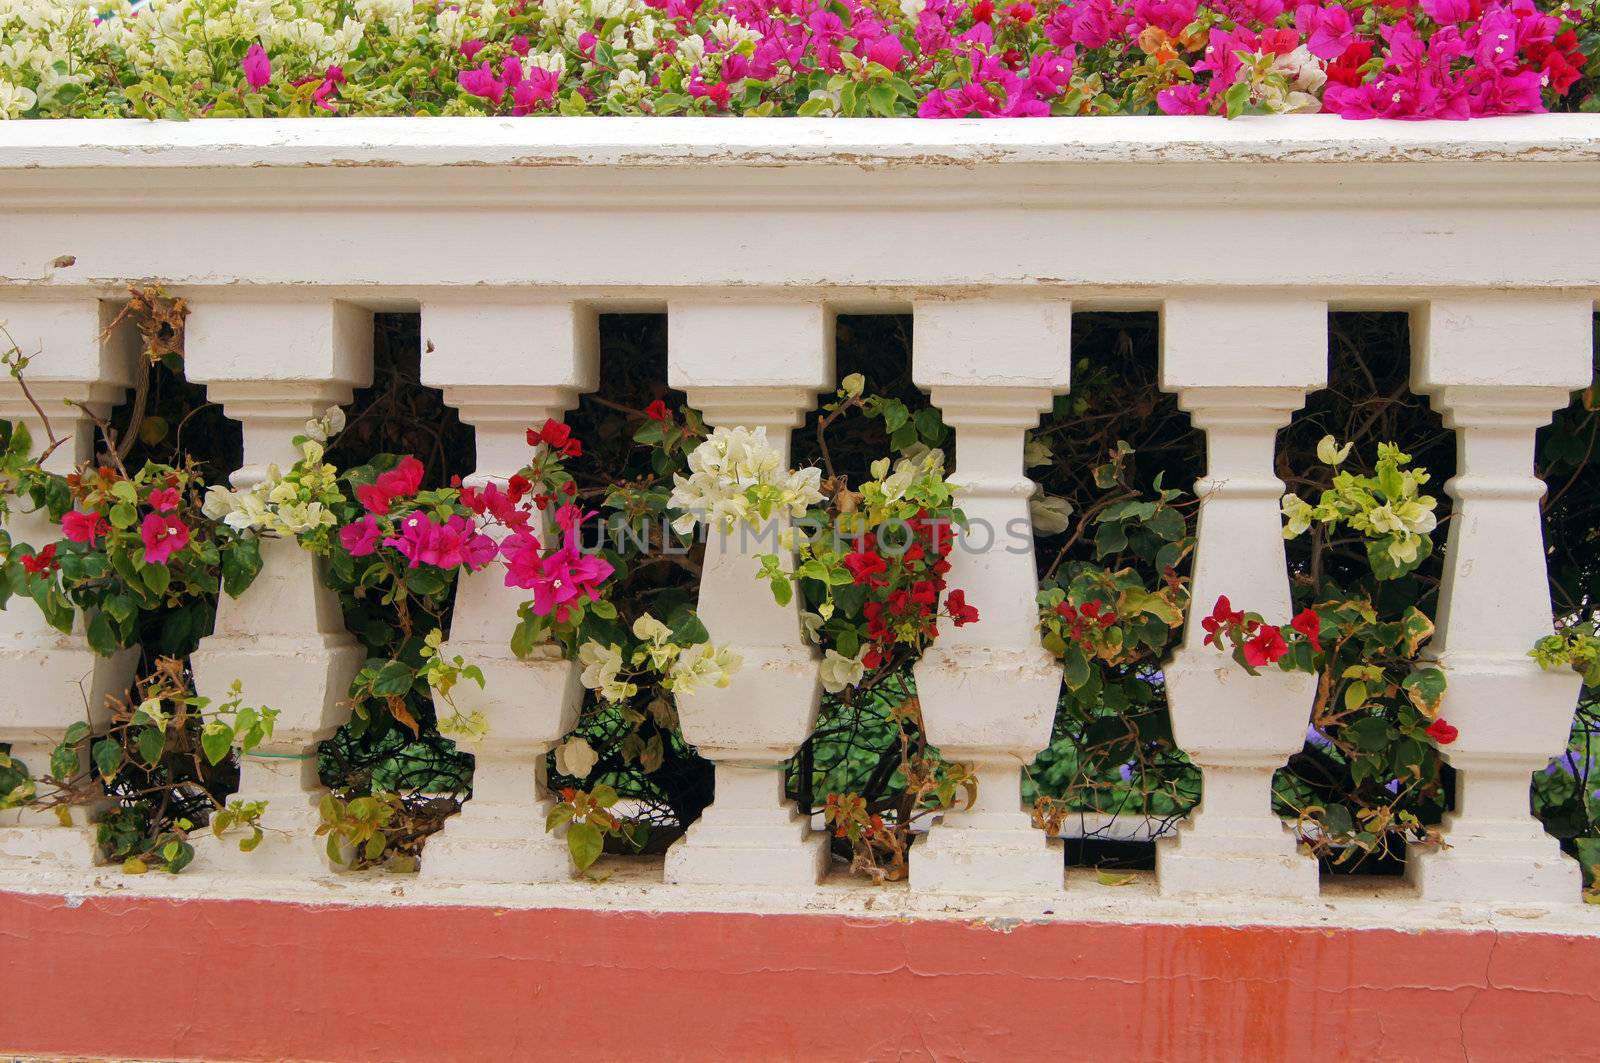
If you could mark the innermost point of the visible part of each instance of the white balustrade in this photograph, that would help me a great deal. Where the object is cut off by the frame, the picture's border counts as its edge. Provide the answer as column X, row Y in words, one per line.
column 51, row 680
column 1241, row 366
column 989, row 690
column 506, row 368
column 1496, row 366
column 283, row 236
column 274, row 365
column 752, row 365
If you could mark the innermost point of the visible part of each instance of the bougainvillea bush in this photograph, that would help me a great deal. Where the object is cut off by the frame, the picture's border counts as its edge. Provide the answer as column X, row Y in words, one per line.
column 1447, row 59
column 875, row 513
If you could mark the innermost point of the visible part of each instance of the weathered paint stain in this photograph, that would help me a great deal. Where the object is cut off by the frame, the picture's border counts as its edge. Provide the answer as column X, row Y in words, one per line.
column 461, row 983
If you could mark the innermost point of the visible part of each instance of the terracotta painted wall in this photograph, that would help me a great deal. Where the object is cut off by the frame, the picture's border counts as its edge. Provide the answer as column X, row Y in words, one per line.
column 479, row 983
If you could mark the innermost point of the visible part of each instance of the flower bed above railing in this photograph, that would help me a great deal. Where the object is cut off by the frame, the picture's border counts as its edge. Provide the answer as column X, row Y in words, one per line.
column 329, row 577
column 1448, row 59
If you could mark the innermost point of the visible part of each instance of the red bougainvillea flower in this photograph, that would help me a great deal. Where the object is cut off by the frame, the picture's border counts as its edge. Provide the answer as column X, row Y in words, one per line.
column 1442, row 733
column 163, row 536
column 402, row 481
column 1309, row 624
column 41, row 564
column 86, row 528
column 164, row 500
column 955, row 604
column 1222, row 618
column 558, row 437
column 657, row 411
column 866, row 567
column 1267, row 647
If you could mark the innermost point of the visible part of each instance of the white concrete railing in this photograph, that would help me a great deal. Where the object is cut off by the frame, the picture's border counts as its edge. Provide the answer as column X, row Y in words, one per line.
column 511, row 235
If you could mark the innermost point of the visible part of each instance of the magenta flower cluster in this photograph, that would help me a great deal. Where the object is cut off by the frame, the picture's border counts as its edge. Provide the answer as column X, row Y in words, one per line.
column 1447, row 59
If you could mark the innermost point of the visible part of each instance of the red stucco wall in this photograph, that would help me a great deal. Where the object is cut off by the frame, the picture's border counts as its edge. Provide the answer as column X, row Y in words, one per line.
column 275, row 981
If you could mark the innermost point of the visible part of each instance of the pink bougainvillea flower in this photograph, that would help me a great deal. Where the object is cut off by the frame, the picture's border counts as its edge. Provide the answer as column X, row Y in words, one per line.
column 537, row 89
column 454, row 543
column 1329, row 32
column 257, row 67
column 330, row 81
column 86, row 528
column 971, row 100
column 1447, row 12
column 1443, row 733
column 522, row 553
column 1267, row 647
column 163, row 535
column 1309, row 624
column 470, row 49
column 1183, row 99
column 164, row 500
column 362, row 537
column 886, row 51
column 481, row 81
column 560, row 578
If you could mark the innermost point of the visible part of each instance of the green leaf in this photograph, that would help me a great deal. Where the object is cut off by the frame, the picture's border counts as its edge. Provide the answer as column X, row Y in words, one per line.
column 107, row 757
column 1076, row 667
column 1371, row 734
column 101, row 638
column 151, row 743
column 394, row 679
column 525, row 637
column 1425, row 688
column 216, row 740
column 584, row 842
column 158, row 578
column 687, row 630
column 1336, row 819
column 241, row 564
column 65, row 762
column 1167, row 523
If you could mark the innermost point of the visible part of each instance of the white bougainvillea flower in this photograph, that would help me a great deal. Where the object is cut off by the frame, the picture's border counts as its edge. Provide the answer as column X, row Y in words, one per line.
column 575, row 757
column 839, row 671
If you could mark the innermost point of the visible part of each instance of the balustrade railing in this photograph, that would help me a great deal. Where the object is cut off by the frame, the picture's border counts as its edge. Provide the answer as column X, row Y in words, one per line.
column 751, row 236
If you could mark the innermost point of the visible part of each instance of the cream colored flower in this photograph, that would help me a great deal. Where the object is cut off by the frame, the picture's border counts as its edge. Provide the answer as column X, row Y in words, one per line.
column 839, row 671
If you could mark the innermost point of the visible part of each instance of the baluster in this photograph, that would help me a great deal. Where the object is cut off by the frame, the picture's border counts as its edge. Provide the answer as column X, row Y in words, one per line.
column 273, row 366
column 989, row 690
column 1241, row 366
column 506, row 368
column 54, row 680
column 1495, row 368
column 752, row 365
